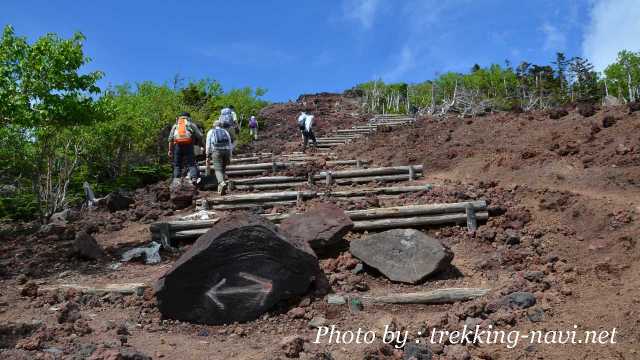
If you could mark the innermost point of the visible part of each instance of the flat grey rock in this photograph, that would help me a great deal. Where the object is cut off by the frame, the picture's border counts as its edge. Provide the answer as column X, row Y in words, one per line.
column 404, row 255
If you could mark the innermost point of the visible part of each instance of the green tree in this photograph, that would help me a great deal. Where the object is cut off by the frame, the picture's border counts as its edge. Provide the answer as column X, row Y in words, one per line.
column 44, row 102
column 622, row 78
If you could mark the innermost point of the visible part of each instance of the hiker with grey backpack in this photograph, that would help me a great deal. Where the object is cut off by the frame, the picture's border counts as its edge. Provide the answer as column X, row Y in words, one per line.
column 228, row 120
column 219, row 148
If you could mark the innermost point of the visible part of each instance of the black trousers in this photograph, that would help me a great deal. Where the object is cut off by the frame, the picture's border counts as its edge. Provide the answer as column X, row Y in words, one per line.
column 309, row 135
column 183, row 154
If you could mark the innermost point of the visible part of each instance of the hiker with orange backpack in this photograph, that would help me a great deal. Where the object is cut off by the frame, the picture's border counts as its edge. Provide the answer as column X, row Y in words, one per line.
column 182, row 139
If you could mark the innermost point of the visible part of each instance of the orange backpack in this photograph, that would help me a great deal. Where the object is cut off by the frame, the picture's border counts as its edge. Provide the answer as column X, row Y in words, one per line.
column 183, row 135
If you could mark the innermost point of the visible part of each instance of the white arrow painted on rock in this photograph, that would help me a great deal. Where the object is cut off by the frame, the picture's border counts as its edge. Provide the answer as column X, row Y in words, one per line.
column 261, row 287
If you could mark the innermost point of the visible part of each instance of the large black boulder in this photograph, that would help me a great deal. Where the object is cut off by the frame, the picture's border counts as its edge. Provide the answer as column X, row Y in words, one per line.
column 235, row 272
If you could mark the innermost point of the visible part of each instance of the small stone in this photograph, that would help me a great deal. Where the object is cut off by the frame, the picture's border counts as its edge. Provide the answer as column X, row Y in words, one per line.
column 22, row 279
column 317, row 322
column 535, row 276
column 513, row 238
column 292, row 346
column 521, row 299
column 30, row 289
column 417, row 352
column 122, row 330
column 297, row 313
column 336, row 300
column 535, row 314
column 357, row 269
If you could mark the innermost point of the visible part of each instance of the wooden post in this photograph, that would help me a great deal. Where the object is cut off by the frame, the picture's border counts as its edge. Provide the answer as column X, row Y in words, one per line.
column 472, row 223
column 310, row 179
column 299, row 199
column 412, row 173
column 328, row 178
column 165, row 236
column 274, row 166
column 358, row 164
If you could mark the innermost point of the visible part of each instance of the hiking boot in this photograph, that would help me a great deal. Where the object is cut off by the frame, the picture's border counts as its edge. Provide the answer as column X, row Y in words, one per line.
column 222, row 188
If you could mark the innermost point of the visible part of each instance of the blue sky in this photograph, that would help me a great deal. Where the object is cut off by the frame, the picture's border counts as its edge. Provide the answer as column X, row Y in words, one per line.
column 295, row 47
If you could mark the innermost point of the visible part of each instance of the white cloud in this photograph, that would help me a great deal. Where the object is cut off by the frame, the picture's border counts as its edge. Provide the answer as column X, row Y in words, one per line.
column 614, row 26
column 406, row 63
column 361, row 11
column 554, row 38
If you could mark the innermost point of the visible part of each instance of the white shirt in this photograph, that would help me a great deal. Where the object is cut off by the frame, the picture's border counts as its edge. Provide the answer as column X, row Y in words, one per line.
column 308, row 121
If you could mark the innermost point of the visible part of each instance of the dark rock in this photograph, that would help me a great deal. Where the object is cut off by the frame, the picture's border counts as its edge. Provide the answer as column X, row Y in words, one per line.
column 378, row 352
column 183, row 197
column 322, row 226
column 87, row 247
column 12, row 332
column 535, row 276
column 608, row 121
column 292, row 346
column 586, row 109
column 81, row 327
column 122, row 330
column 405, row 255
column 85, row 350
column 520, row 299
column 512, row 237
column 557, row 113
column 236, row 271
column 131, row 354
column 486, row 234
column 417, row 352
column 535, row 314
column 118, row 200
column 30, row 289
column 69, row 313
column 634, row 106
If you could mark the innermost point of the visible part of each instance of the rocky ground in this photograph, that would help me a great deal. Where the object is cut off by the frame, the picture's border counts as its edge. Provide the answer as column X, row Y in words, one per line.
column 560, row 249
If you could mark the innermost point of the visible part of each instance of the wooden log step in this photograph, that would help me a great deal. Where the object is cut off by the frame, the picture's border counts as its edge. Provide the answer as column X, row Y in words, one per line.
column 240, row 173
column 375, row 126
column 356, row 131
column 304, row 182
column 292, row 195
column 332, row 140
column 184, row 225
column 328, row 144
column 359, row 225
column 391, row 170
column 402, row 211
column 124, row 289
column 439, row 296
column 425, row 220
column 413, row 210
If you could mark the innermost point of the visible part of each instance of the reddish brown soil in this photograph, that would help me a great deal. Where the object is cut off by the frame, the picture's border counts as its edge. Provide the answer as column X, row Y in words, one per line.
column 569, row 188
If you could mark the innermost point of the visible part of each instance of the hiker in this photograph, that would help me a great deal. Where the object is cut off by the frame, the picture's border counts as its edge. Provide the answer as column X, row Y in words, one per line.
column 229, row 120
column 253, row 127
column 182, row 138
column 219, row 148
column 305, row 124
